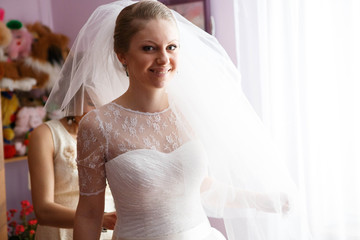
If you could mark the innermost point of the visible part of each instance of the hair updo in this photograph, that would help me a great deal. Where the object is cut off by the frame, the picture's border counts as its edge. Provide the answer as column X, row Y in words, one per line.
column 133, row 18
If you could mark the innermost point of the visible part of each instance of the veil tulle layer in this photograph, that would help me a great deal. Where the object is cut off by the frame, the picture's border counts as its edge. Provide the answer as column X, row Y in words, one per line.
column 251, row 182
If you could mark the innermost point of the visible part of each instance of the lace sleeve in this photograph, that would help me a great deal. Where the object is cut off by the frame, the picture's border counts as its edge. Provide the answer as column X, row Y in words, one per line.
column 91, row 146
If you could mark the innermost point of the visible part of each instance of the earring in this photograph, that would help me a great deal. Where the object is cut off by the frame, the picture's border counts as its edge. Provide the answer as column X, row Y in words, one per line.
column 70, row 120
column 126, row 71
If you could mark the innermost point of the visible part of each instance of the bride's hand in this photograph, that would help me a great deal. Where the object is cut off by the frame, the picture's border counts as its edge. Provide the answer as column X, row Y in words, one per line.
column 272, row 202
column 109, row 220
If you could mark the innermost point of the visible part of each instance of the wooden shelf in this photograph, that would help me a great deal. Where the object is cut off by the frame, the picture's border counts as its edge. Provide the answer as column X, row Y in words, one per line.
column 15, row 159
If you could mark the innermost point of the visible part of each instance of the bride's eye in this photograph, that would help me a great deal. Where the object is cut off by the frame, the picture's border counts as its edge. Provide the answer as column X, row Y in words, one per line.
column 148, row 48
column 172, row 47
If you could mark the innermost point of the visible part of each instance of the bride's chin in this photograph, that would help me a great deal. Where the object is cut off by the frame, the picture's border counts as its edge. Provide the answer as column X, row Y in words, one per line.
column 161, row 83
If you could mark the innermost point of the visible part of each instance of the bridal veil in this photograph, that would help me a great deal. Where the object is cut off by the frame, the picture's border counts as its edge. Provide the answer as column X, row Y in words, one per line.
column 251, row 182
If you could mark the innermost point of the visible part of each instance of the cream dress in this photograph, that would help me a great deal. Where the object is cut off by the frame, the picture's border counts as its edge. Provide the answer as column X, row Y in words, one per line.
column 66, row 182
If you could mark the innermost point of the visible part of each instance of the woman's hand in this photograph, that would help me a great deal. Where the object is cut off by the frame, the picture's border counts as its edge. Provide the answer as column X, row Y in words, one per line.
column 272, row 202
column 109, row 220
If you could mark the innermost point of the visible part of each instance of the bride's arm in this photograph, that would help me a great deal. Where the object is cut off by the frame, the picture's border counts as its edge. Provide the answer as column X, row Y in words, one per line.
column 92, row 177
column 88, row 217
column 215, row 193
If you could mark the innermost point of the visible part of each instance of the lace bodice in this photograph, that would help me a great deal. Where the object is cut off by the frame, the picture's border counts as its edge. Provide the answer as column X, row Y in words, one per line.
column 113, row 130
column 153, row 166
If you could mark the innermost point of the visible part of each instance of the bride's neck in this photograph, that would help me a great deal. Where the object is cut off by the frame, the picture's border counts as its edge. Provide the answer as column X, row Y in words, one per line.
column 155, row 101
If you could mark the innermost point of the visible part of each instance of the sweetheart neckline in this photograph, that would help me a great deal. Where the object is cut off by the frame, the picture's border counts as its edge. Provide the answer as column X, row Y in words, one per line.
column 154, row 151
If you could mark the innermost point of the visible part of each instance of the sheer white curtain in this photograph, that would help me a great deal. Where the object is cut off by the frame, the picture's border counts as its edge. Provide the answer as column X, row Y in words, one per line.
column 300, row 61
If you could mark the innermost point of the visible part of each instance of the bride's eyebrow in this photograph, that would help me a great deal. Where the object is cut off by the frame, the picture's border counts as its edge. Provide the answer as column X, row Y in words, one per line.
column 154, row 42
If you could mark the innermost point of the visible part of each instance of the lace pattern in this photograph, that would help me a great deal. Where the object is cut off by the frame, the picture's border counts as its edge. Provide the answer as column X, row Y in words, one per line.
column 112, row 130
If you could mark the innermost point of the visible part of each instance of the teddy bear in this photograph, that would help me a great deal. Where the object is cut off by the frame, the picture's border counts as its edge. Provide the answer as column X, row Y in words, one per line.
column 18, row 75
column 5, row 36
column 48, row 53
column 20, row 46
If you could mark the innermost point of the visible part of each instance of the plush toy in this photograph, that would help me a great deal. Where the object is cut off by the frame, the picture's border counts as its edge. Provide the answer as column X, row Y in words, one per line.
column 20, row 46
column 27, row 119
column 9, row 151
column 12, row 75
column 48, row 53
column 5, row 36
column 20, row 148
column 9, row 107
column 26, row 84
column 33, row 98
column 8, row 134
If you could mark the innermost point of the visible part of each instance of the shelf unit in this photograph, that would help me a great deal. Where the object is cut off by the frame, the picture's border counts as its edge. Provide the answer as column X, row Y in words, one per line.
column 3, row 161
column 15, row 159
column 3, row 209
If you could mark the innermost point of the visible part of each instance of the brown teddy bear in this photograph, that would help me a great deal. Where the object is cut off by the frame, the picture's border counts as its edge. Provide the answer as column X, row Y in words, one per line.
column 48, row 52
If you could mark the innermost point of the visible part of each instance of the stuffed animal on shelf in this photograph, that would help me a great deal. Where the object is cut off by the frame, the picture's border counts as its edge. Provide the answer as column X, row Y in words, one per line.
column 9, row 151
column 21, row 76
column 9, row 106
column 21, row 147
column 5, row 36
column 20, row 46
column 49, row 51
column 26, row 84
column 43, row 65
column 27, row 119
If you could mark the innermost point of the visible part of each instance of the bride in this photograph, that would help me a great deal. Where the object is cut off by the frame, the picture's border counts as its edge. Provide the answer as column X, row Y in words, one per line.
column 172, row 133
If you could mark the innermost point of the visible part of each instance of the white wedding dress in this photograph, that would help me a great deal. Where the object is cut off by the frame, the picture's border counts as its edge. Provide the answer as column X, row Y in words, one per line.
column 154, row 166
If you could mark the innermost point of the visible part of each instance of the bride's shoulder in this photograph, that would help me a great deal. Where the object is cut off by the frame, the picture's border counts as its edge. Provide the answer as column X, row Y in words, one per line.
column 106, row 113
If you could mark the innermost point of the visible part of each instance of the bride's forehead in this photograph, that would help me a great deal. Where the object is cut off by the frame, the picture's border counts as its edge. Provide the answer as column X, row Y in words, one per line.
column 158, row 31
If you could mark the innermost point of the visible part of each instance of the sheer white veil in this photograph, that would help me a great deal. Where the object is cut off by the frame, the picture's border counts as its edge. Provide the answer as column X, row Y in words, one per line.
column 251, row 180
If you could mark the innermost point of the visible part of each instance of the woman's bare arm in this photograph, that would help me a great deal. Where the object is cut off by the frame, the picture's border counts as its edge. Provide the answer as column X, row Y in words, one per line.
column 41, row 167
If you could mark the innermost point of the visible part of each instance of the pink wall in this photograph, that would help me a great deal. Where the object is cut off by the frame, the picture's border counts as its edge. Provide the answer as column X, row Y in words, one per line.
column 70, row 15
column 28, row 11
column 224, row 18
column 67, row 16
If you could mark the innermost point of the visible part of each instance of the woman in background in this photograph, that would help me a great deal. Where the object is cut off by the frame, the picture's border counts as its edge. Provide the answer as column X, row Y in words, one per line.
column 54, row 180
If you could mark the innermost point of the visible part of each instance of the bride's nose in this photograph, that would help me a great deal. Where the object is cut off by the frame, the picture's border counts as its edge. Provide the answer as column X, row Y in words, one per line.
column 163, row 58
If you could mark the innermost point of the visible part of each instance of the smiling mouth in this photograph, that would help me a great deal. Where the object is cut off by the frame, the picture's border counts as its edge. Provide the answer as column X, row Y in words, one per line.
column 160, row 72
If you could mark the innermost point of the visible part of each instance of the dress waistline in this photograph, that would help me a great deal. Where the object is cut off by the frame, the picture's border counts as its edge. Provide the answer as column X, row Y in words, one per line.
column 202, row 229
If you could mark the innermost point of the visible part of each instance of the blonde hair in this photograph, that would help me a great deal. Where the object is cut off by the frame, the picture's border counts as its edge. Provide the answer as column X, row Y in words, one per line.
column 132, row 19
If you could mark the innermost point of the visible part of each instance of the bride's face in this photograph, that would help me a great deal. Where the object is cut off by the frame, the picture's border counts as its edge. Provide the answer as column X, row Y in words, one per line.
column 153, row 54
